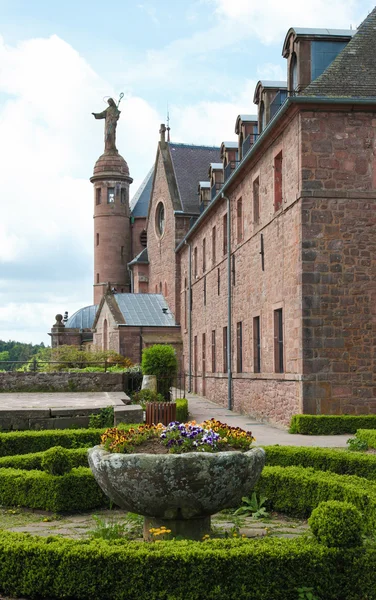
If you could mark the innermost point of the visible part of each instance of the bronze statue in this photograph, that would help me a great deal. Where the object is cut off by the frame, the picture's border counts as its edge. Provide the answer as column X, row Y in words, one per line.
column 111, row 116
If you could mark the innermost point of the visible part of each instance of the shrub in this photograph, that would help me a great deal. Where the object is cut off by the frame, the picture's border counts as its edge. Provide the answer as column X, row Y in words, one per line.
column 330, row 424
column 25, row 442
column 105, row 418
column 337, row 524
column 368, row 436
column 56, row 461
column 182, row 410
column 144, row 396
column 356, row 445
column 29, row 462
column 160, row 360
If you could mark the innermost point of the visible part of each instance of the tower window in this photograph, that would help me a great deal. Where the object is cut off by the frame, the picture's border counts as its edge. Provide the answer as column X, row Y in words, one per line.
column 278, row 181
column 98, row 195
column 278, row 341
column 97, row 239
column 110, row 195
column 123, row 196
column 256, row 200
column 143, row 238
column 97, row 277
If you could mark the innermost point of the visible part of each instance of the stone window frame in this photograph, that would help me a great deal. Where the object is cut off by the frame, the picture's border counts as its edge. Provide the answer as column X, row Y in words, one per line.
column 110, row 194
column 256, row 213
column 279, row 338
column 160, row 219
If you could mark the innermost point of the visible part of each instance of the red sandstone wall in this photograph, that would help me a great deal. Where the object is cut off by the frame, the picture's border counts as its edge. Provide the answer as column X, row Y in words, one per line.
column 112, row 333
column 141, row 279
column 266, row 395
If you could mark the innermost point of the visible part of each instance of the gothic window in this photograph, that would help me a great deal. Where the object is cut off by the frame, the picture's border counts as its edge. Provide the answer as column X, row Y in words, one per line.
column 160, row 218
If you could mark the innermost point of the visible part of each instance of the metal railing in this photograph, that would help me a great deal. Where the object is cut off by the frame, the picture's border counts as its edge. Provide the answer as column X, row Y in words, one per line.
column 215, row 189
column 278, row 102
column 248, row 143
column 37, row 366
column 229, row 168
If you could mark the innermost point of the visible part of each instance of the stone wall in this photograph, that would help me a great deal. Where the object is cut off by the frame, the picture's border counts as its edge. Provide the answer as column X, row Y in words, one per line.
column 61, row 382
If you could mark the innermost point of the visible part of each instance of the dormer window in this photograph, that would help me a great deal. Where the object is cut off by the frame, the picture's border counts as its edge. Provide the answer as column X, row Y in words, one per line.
column 262, row 117
column 293, row 73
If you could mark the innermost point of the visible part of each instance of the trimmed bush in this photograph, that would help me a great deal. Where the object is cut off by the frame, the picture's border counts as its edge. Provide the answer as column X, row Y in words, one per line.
column 231, row 569
column 29, row 462
column 323, row 459
column 331, row 424
column 367, row 435
column 337, row 524
column 297, row 491
column 56, row 461
column 182, row 410
column 160, row 360
column 74, row 491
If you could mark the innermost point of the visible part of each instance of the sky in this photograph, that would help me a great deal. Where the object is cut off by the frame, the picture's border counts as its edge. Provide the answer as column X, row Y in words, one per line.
column 58, row 61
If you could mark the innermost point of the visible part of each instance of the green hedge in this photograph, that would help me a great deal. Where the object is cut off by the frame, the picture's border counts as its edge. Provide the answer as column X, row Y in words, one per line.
column 233, row 569
column 323, row 459
column 297, row 491
column 74, row 491
column 33, row 461
column 367, row 435
column 331, row 424
column 182, row 410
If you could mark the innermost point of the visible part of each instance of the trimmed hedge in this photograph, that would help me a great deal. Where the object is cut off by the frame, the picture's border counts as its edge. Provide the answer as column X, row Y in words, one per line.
column 330, row 424
column 231, row 569
column 74, row 491
column 367, row 435
column 29, row 462
column 182, row 410
column 297, row 491
column 337, row 524
column 323, row 459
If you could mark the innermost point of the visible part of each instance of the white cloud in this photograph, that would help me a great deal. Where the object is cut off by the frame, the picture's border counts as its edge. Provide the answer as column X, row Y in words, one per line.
column 270, row 20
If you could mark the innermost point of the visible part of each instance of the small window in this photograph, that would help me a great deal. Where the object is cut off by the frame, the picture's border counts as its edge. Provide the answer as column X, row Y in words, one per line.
column 165, row 289
column 160, row 218
column 160, row 287
column 98, row 195
column 278, row 341
column 225, row 234
column 204, row 291
column 110, row 195
column 219, row 281
column 204, row 255
column 225, row 362
column 195, row 354
column 97, row 239
column 143, row 238
column 233, row 269
column 185, row 303
column 256, row 345
column 123, row 196
column 214, row 352
column 195, row 262
column 256, row 200
column 213, row 245
column 278, row 181
column 239, row 219
column 203, row 355
column 97, row 277
column 239, row 347
column 262, row 116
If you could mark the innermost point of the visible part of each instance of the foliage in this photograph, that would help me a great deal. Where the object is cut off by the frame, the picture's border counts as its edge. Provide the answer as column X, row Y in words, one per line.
column 145, row 395
column 306, row 593
column 105, row 418
column 367, row 435
column 56, row 461
column 160, row 360
column 112, row 529
column 322, row 459
column 17, row 351
column 68, row 358
column 253, row 507
column 29, row 462
column 356, row 445
column 73, row 491
column 182, row 410
column 337, row 524
column 330, row 424
column 210, row 436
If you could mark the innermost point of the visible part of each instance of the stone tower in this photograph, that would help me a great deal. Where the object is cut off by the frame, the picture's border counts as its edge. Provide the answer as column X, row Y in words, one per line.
column 111, row 215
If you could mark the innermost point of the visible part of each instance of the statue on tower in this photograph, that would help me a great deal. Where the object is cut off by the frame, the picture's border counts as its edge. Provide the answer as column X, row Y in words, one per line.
column 111, row 116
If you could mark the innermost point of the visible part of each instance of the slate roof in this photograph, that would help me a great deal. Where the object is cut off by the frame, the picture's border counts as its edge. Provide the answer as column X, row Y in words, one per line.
column 83, row 318
column 140, row 201
column 142, row 258
column 191, row 164
column 352, row 74
column 144, row 310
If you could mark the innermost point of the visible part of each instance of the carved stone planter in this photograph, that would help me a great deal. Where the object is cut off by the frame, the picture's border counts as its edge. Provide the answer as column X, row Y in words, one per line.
column 179, row 491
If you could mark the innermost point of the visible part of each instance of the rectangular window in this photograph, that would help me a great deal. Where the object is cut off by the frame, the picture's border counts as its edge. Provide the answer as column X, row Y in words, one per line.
column 98, row 195
column 123, row 196
column 233, row 269
column 213, row 245
column 185, row 303
column 110, row 195
column 203, row 350
column 204, row 255
column 239, row 219
column 195, row 354
column 225, row 234
column 256, row 200
column 256, row 345
column 205, row 291
column 97, row 277
column 278, row 340
column 219, row 281
column 239, row 347
column 195, row 262
column 97, row 239
column 213, row 352
column 225, row 364
column 278, row 181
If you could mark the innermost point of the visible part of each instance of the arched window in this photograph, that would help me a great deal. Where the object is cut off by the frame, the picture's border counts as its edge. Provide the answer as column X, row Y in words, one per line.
column 160, row 218
column 165, row 289
column 293, row 73
column 262, row 116
column 105, row 335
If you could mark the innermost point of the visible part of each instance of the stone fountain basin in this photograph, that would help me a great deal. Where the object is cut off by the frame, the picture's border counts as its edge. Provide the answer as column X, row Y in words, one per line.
column 177, row 486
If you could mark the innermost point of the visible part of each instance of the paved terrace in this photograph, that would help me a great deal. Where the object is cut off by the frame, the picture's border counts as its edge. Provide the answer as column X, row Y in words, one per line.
column 200, row 409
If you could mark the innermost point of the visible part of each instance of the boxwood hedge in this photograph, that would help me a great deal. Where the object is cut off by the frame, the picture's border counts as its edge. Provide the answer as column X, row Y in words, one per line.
column 33, row 461
column 331, row 424
column 367, row 435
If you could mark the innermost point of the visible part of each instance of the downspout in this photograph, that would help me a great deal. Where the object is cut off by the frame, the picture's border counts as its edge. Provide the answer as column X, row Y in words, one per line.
column 189, row 317
column 229, row 308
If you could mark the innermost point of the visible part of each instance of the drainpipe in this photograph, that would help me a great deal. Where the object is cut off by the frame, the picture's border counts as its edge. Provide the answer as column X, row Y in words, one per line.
column 189, row 317
column 229, row 310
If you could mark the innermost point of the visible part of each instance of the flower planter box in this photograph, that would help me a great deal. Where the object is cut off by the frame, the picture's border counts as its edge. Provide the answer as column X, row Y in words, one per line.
column 160, row 412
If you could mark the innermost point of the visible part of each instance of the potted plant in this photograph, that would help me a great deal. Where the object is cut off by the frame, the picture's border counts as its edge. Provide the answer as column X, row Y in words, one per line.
column 177, row 476
column 161, row 361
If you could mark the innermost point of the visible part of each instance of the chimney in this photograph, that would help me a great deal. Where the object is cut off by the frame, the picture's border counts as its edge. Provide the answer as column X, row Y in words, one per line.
column 162, row 131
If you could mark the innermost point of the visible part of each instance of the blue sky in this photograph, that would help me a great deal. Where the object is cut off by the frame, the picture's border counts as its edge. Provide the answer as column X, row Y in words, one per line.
column 57, row 62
